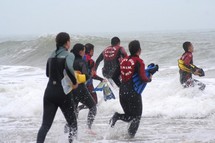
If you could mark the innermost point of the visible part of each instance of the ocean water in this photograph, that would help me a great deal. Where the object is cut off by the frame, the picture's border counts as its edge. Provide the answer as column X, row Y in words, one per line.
column 170, row 113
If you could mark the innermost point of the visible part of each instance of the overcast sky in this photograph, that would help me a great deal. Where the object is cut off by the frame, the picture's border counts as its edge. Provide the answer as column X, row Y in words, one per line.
column 93, row 16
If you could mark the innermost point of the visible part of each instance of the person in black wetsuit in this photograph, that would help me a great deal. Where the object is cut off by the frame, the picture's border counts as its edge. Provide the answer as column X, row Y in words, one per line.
column 54, row 96
column 81, row 94
column 130, row 100
column 89, row 51
column 112, row 56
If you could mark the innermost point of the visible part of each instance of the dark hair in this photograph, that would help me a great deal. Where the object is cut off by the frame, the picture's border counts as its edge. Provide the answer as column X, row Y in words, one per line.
column 77, row 48
column 115, row 41
column 61, row 39
column 186, row 45
column 88, row 48
column 134, row 47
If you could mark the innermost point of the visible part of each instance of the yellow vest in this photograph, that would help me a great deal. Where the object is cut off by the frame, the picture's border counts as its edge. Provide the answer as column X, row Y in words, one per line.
column 183, row 67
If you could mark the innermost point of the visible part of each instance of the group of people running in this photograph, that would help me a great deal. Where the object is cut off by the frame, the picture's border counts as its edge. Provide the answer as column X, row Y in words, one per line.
column 118, row 66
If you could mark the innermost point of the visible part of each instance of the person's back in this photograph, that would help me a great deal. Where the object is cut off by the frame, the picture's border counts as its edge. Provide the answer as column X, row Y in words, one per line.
column 55, row 95
column 55, row 73
column 112, row 56
column 81, row 65
column 130, row 66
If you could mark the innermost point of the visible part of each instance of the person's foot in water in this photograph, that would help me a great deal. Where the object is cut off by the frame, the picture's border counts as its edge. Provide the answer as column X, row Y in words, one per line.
column 66, row 128
column 114, row 119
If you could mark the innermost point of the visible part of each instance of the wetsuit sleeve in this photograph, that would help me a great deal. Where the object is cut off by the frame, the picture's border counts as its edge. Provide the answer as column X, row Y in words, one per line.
column 94, row 75
column 123, row 52
column 141, row 71
column 47, row 68
column 99, row 59
column 84, row 70
column 69, row 68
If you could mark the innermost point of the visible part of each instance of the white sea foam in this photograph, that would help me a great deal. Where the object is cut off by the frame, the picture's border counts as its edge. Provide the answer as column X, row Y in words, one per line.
column 22, row 88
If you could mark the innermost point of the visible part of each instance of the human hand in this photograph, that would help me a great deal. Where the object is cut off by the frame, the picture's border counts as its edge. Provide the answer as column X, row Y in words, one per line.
column 75, row 86
column 78, row 72
column 196, row 72
column 150, row 76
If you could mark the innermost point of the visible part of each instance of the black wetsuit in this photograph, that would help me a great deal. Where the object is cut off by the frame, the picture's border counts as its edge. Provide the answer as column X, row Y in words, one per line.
column 111, row 56
column 55, row 97
column 131, row 103
column 81, row 94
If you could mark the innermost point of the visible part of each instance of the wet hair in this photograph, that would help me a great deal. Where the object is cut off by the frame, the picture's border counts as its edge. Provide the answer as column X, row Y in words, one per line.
column 61, row 39
column 186, row 46
column 134, row 47
column 77, row 48
column 115, row 41
column 88, row 48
